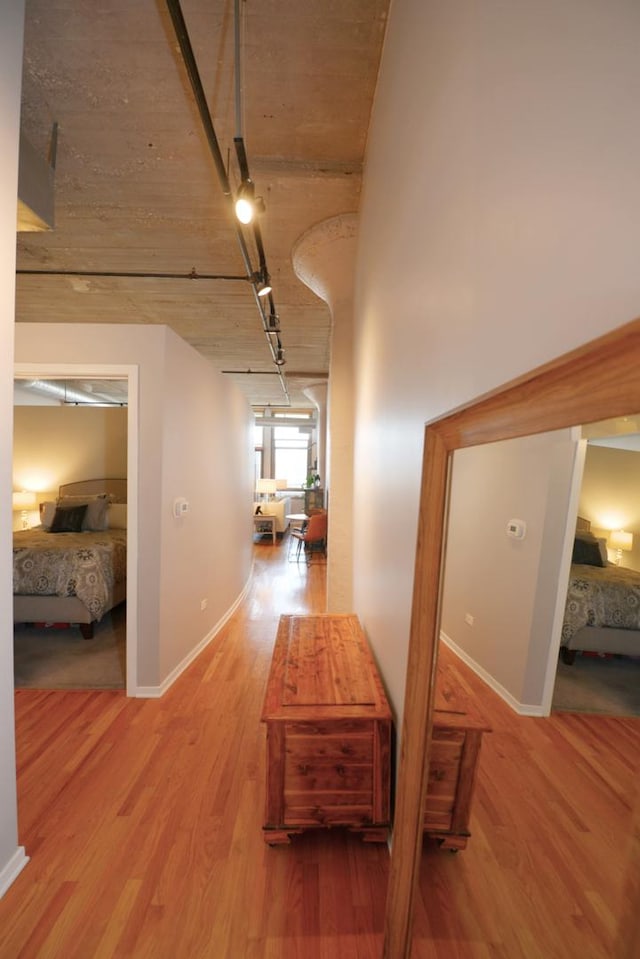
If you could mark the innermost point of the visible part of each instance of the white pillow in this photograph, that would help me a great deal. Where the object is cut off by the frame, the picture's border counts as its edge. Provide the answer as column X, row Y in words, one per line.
column 47, row 512
column 117, row 516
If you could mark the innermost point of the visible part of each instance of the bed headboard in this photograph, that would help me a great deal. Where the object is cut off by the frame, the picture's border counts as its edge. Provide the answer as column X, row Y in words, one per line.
column 583, row 525
column 115, row 488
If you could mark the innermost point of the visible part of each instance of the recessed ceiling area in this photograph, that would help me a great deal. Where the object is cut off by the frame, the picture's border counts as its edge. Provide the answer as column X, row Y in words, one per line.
column 143, row 232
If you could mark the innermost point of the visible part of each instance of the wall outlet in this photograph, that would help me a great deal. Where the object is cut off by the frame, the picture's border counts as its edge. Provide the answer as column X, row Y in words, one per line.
column 204, row 603
column 468, row 618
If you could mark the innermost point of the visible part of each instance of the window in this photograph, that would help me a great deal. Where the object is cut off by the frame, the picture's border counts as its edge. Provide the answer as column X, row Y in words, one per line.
column 258, row 442
column 291, row 454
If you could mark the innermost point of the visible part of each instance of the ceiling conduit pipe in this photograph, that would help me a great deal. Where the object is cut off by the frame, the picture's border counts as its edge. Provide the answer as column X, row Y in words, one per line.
column 68, row 396
column 186, row 50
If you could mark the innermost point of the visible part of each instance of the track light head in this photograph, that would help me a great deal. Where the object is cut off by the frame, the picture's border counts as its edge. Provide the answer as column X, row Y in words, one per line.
column 263, row 284
column 273, row 325
column 280, row 360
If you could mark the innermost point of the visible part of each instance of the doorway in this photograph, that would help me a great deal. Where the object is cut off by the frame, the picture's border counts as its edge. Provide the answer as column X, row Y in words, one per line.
column 127, row 376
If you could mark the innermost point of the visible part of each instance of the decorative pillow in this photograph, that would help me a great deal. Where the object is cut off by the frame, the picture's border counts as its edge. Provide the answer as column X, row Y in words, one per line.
column 586, row 550
column 96, row 514
column 117, row 516
column 68, row 519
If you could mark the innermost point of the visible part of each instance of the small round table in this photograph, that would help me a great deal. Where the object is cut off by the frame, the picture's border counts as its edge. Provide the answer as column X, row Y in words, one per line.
column 301, row 517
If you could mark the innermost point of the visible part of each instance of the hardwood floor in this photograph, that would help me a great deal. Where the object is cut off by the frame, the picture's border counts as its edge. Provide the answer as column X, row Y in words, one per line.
column 143, row 822
column 552, row 869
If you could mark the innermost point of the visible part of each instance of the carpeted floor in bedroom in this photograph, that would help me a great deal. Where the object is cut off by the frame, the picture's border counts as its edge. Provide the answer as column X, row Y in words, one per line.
column 52, row 658
column 595, row 684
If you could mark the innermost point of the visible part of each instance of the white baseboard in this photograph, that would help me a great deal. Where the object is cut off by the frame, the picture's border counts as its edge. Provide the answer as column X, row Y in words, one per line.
column 523, row 709
column 155, row 692
column 10, row 872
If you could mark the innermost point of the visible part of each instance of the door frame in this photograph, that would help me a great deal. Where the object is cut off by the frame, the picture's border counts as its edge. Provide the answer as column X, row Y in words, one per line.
column 130, row 373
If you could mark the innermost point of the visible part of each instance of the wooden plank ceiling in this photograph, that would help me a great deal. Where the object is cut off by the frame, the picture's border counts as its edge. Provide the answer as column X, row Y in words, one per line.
column 136, row 189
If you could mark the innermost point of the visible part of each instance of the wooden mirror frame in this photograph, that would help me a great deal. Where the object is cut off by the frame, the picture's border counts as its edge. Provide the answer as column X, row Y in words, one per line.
column 597, row 381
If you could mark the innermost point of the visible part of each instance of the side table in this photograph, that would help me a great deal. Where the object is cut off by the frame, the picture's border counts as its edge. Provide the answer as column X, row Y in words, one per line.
column 262, row 523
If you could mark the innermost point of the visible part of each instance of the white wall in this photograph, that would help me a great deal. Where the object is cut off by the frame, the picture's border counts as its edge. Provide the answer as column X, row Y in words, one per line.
column 324, row 259
column 12, row 19
column 194, row 430
column 208, row 460
column 499, row 228
column 507, row 586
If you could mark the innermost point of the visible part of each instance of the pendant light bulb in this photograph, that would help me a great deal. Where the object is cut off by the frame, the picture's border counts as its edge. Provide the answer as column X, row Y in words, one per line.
column 245, row 202
column 244, row 210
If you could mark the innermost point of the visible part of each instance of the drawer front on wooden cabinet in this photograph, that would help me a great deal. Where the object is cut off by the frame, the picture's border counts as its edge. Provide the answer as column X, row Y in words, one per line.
column 350, row 742
column 322, row 777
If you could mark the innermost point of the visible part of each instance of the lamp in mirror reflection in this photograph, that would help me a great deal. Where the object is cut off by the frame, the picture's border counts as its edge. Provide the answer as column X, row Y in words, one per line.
column 619, row 540
column 23, row 501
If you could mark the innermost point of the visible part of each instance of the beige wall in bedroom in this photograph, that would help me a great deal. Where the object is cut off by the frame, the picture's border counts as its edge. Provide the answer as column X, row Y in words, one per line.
column 63, row 444
column 610, row 496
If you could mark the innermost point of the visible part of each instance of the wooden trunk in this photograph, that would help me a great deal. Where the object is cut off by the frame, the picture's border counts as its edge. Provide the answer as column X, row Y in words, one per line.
column 453, row 763
column 328, row 731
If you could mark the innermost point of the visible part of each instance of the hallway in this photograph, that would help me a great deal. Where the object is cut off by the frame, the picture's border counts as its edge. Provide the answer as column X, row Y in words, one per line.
column 143, row 817
column 143, row 821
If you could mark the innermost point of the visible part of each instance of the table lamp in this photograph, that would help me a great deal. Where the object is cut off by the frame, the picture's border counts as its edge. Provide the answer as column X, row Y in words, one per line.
column 620, row 540
column 266, row 487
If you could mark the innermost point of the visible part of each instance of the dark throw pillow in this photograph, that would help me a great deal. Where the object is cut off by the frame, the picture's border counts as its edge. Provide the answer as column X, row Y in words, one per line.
column 586, row 550
column 68, row 519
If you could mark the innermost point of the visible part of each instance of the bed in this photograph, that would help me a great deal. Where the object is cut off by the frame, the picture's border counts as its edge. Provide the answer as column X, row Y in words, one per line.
column 602, row 611
column 72, row 569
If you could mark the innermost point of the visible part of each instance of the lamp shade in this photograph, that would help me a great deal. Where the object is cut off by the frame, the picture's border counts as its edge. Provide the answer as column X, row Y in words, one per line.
column 620, row 539
column 24, row 499
column 266, row 486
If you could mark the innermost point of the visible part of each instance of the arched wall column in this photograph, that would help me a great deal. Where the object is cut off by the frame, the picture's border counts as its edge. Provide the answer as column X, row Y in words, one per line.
column 324, row 259
column 317, row 393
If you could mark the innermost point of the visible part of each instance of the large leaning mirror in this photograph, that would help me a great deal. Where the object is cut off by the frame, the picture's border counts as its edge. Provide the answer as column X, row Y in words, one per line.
column 597, row 381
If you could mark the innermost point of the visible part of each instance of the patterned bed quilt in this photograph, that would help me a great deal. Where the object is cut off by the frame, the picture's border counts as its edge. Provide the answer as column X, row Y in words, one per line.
column 86, row 565
column 601, row 596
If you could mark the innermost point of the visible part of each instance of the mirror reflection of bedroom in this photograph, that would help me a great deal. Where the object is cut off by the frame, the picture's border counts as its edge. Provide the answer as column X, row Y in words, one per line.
column 514, row 506
column 599, row 667
column 69, row 522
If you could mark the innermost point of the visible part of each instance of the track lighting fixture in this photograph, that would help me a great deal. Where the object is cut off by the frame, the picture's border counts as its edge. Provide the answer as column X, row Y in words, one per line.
column 247, row 205
column 263, row 284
